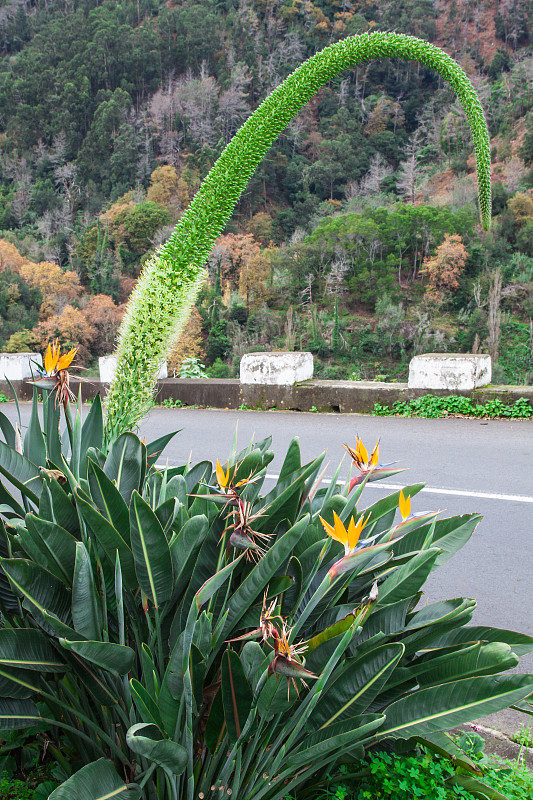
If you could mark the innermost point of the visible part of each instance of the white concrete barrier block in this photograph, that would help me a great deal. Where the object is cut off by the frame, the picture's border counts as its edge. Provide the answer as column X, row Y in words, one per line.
column 276, row 369
column 108, row 364
column 17, row 366
column 452, row 371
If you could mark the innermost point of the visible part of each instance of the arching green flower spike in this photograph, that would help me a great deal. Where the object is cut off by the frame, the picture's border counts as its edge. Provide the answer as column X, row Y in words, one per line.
column 168, row 286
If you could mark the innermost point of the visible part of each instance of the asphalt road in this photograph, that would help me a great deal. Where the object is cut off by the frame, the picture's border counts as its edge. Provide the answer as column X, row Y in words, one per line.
column 467, row 466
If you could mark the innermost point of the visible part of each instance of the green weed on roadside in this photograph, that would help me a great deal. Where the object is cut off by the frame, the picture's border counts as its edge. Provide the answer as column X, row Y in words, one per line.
column 388, row 776
column 524, row 736
column 170, row 402
column 433, row 407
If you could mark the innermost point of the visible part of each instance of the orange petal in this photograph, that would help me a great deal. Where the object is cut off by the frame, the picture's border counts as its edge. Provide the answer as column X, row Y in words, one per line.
column 363, row 452
column 353, row 453
column 330, row 530
column 337, row 531
column 353, row 535
column 56, row 350
column 54, row 355
column 341, row 534
column 404, row 504
column 374, row 458
column 222, row 477
column 48, row 359
column 66, row 359
column 357, row 530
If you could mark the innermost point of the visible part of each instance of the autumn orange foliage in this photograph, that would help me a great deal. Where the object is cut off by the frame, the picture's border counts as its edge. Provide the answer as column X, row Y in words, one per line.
column 444, row 269
column 58, row 287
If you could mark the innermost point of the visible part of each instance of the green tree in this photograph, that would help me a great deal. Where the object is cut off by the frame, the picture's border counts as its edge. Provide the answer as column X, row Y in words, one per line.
column 94, row 160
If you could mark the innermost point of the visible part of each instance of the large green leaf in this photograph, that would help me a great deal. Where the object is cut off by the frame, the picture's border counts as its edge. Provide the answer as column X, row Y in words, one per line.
column 449, row 535
column 11, row 507
column 21, row 472
column 42, row 590
column 446, row 706
column 126, row 464
column 276, row 697
column 334, row 740
column 213, row 584
column 454, row 663
column 436, row 613
column 146, row 740
column 6, row 426
column 57, row 546
column 74, row 431
column 406, row 580
column 29, row 649
column 356, row 685
column 51, row 419
column 86, row 608
column 113, row 657
column 167, row 513
column 236, row 694
column 254, row 662
column 63, row 509
column 109, row 540
column 17, row 714
column 9, row 603
column 184, row 548
column 108, row 500
column 196, row 473
column 155, row 448
column 18, row 683
column 283, row 500
column 426, row 625
column 98, row 780
column 521, row 643
column 34, row 445
column 92, row 432
column 475, row 787
column 153, row 562
column 216, row 723
column 145, row 704
column 292, row 461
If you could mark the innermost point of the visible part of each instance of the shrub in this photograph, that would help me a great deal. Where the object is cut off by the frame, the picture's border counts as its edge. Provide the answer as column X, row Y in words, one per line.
column 192, row 368
column 219, row 369
column 135, row 601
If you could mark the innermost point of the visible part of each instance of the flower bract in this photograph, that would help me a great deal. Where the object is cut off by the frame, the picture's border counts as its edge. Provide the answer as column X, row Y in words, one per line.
column 347, row 536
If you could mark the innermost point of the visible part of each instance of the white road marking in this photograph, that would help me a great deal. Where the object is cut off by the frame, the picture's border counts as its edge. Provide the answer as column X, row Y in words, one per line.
column 516, row 498
column 513, row 498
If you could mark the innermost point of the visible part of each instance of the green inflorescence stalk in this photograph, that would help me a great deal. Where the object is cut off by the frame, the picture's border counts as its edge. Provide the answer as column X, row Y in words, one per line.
column 161, row 302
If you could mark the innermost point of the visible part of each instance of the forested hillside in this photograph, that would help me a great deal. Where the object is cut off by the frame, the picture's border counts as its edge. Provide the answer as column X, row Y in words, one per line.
column 357, row 238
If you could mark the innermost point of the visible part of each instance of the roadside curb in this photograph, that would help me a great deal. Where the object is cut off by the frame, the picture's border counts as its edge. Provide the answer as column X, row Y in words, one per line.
column 357, row 397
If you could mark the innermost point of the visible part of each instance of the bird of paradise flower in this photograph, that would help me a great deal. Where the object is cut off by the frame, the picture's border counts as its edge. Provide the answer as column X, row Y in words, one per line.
column 55, row 377
column 368, row 465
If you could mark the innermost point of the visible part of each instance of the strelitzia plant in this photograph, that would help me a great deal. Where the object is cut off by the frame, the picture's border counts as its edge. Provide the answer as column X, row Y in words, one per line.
column 171, row 279
column 136, row 632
